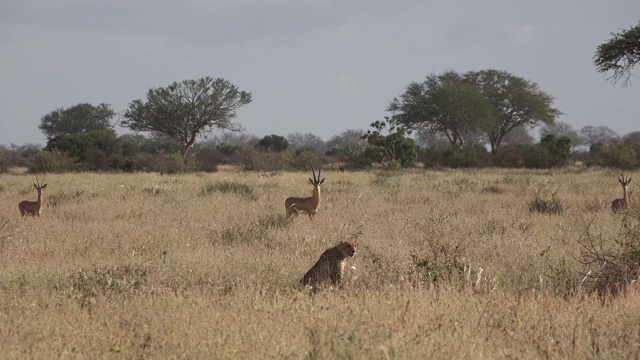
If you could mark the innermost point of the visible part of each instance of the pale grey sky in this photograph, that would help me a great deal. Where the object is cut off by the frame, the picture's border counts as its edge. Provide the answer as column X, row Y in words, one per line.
column 318, row 66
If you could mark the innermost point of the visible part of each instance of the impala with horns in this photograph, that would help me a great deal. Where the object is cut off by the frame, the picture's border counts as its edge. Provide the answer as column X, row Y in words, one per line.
column 33, row 208
column 621, row 204
column 309, row 205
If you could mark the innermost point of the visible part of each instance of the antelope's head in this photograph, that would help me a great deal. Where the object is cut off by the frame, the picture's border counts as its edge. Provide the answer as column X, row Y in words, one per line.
column 624, row 182
column 40, row 185
column 316, row 181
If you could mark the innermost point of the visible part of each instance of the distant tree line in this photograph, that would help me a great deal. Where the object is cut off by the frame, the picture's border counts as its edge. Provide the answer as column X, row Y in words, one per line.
column 474, row 119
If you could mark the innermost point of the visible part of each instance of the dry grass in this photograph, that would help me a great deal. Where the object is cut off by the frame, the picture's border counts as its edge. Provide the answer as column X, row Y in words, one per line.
column 451, row 264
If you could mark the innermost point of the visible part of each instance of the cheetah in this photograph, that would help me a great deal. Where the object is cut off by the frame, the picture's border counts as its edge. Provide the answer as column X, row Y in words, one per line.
column 330, row 266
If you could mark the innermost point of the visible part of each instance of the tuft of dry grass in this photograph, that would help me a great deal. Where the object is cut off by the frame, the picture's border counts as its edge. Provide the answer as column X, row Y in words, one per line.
column 450, row 264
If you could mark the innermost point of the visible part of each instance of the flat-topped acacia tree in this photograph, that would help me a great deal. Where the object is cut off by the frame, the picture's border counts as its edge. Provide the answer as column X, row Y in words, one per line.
column 187, row 110
column 619, row 55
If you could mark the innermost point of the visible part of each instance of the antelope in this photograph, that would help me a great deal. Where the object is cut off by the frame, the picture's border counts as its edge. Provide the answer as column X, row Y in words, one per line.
column 621, row 204
column 309, row 205
column 340, row 168
column 33, row 208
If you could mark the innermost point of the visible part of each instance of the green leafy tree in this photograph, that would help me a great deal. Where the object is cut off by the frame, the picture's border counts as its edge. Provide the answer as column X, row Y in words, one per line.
column 188, row 110
column 620, row 156
column 77, row 119
column 619, row 55
column 273, row 142
column 516, row 102
column 556, row 149
column 395, row 147
column 445, row 104
column 74, row 145
column 97, row 149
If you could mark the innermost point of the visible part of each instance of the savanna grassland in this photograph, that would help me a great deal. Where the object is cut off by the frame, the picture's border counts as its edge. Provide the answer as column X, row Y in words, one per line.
column 450, row 264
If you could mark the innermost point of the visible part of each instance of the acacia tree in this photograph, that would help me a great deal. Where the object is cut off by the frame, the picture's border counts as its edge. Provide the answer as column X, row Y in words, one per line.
column 619, row 54
column 515, row 101
column 273, row 142
column 78, row 119
column 444, row 104
column 188, row 110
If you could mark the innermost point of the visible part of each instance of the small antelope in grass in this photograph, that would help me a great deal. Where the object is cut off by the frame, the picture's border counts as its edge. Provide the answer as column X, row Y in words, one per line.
column 33, row 208
column 621, row 204
column 309, row 205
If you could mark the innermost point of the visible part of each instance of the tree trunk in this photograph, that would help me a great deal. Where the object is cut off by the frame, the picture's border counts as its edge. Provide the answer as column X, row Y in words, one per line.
column 189, row 144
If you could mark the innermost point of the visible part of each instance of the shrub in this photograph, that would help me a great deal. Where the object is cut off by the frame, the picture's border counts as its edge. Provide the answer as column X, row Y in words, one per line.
column 226, row 187
column 251, row 159
column 475, row 156
column 512, row 155
column 5, row 160
column 301, row 160
column 164, row 163
column 52, row 161
column 621, row 156
column 613, row 263
column 551, row 206
column 87, row 285
column 207, row 159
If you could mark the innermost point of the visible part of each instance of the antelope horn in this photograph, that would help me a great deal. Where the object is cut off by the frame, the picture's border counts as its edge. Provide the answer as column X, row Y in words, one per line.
column 314, row 173
column 319, row 170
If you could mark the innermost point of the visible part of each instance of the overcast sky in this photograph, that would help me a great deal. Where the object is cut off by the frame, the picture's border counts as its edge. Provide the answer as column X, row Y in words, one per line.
column 318, row 66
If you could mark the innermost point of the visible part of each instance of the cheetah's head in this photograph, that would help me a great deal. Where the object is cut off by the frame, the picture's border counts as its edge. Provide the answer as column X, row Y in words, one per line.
column 349, row 249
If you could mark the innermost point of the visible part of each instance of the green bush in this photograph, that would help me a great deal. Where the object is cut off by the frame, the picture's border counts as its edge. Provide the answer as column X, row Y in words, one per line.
column 52, row 161
column 475, row 156
column 164, row 163
column 5, row 160
column 620, row 156
column 301, row 160
column 250, row 159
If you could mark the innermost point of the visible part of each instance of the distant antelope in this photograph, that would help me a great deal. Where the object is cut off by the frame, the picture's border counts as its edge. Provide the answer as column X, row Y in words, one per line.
column 340, row 168
column 621, row 204
column 33, row 208
column 309, row 205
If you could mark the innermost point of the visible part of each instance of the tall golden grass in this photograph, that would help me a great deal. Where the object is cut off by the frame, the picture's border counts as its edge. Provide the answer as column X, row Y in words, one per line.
column 450, row 264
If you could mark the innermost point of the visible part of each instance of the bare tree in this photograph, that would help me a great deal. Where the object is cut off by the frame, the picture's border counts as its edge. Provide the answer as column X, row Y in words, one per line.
column 299, row 141
column 592, row 135
column 518, row 135
column 560, row 128
column 349, row 144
